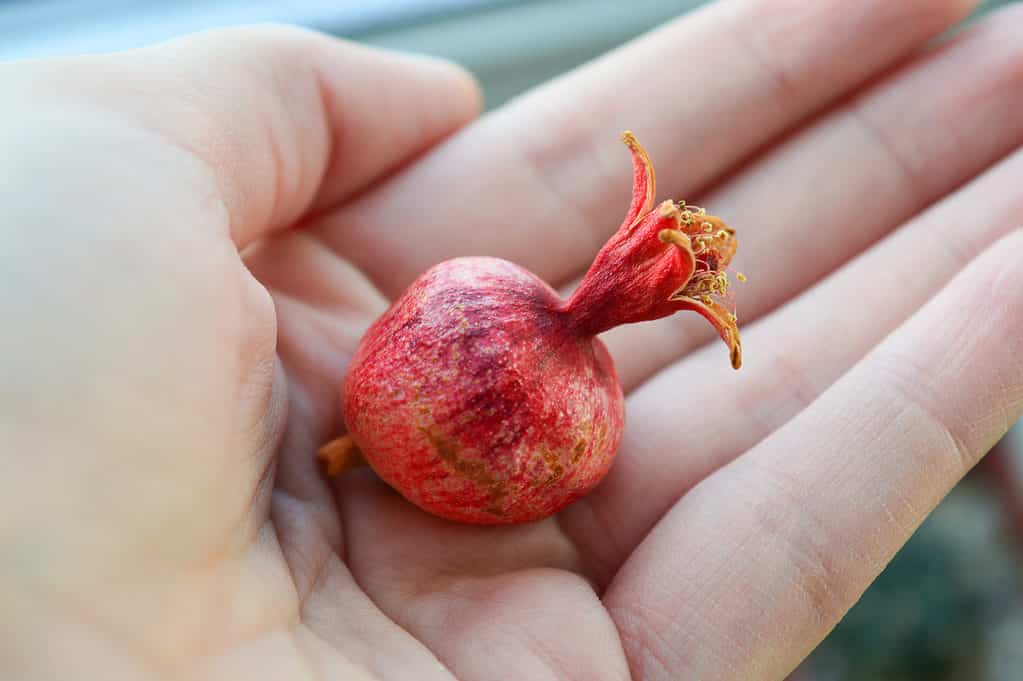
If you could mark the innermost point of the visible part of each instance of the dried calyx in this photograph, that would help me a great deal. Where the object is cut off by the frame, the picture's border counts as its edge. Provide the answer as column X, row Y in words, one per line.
column 662, row 260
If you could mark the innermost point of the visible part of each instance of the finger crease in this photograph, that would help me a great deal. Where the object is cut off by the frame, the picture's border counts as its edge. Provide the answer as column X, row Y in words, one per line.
column 914, row 179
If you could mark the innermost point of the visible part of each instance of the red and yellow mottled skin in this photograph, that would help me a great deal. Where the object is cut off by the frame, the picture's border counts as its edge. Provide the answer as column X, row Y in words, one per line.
column 483, row 397
column 476, row 398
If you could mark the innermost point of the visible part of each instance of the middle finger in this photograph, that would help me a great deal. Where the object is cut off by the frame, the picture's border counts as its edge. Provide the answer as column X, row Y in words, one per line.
column 688, row 421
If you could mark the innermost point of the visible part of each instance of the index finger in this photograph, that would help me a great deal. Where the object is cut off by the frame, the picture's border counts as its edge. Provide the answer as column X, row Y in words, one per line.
column 544, row 181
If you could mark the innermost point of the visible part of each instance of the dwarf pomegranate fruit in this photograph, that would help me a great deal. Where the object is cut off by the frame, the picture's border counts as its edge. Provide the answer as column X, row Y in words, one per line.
column 483, row 397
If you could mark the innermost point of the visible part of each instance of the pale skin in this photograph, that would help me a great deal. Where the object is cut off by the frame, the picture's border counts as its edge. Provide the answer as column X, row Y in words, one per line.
column 194, row 236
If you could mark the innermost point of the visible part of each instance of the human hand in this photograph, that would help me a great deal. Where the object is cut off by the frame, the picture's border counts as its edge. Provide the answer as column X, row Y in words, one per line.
column 163, row 514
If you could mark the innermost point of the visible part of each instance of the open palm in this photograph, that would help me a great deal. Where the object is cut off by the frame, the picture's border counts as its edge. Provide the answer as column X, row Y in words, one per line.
column 195, row 236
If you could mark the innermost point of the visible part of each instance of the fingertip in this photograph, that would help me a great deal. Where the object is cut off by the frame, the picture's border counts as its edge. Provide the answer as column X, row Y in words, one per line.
column 453, row 83
column 458, row 83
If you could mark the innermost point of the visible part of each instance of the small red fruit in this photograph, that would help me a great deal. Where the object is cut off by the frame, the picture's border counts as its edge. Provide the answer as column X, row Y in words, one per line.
column 483, row 397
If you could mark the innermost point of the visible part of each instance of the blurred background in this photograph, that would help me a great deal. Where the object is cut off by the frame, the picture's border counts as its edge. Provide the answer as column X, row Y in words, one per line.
column 950, row 606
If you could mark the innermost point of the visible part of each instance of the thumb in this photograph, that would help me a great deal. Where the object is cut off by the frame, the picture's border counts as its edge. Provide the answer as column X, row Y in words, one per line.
column 288, row 120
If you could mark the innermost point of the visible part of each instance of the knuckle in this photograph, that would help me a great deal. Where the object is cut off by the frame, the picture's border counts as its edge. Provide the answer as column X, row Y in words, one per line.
column 798, row 530
column 918, row 394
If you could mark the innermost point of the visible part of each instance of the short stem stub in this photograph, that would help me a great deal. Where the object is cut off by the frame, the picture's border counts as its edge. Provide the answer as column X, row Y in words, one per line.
column 341, row 455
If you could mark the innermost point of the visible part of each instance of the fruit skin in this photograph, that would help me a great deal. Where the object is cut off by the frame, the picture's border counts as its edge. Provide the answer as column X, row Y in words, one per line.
column 483, row 397
column 476, row 398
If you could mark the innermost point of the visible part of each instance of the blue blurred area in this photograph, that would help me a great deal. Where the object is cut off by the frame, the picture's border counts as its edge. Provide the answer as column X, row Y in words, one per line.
column 59, row 27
